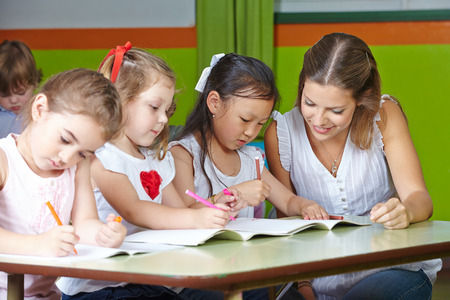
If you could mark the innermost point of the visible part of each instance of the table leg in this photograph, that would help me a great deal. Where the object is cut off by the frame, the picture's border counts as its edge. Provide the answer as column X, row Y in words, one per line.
column 15, row 287
column 233, row 295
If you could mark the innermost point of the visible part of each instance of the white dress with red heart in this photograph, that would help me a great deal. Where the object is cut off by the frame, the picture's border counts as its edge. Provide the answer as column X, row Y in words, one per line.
column 149, row 176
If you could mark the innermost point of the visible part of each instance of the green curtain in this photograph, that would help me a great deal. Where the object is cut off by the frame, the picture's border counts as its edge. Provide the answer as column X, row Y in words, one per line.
column 241, row 26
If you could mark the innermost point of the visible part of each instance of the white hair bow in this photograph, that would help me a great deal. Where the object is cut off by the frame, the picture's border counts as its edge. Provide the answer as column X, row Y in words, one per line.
column 205, row 73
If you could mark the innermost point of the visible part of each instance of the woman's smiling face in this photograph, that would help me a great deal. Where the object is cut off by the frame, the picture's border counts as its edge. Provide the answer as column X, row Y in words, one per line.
column 327, row 109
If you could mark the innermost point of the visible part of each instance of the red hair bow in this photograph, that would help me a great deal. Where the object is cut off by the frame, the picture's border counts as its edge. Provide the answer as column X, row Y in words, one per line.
column 118, row 52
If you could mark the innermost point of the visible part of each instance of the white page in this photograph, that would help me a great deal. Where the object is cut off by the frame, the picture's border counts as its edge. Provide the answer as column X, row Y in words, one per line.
column 187, row 237
column 89, row 252
column 270, row 226
column 240, row 229
column 290, row 225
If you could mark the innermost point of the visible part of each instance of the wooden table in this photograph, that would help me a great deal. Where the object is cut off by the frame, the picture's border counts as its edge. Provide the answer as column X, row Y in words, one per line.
column 233, row 266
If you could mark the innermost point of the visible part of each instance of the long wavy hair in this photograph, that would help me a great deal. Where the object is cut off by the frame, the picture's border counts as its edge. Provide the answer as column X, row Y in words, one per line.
column 345, row 61
column 18, row 69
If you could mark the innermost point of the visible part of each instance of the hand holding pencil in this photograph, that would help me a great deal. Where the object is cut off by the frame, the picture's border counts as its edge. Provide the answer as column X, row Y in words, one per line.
column 204, row 201
column 111, row 233
column 205, row 217
column 59, row 241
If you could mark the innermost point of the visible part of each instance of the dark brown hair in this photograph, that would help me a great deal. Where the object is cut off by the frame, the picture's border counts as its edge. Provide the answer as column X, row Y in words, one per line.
column 17, row 68
column 345, row 61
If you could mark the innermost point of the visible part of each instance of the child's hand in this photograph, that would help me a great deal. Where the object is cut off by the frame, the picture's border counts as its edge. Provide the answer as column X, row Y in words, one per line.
column 207, row 217
column 111, row 234
column 59, row 241
column 392, row 214
column 251, row 193
column 230, row 198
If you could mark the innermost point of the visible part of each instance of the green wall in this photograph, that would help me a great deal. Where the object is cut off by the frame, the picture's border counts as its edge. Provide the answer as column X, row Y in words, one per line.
column 419, row 76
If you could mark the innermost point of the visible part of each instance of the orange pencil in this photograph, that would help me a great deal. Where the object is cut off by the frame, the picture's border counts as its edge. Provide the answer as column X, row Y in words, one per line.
column 258, row 170
column 57, row 219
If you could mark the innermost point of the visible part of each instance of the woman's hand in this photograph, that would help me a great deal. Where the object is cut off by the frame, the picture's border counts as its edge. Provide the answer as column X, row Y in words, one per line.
column 392, row 214
column 310, row 210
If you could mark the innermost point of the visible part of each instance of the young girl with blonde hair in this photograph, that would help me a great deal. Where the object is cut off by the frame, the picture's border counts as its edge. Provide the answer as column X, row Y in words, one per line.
column 74, row 113
column 133, row 172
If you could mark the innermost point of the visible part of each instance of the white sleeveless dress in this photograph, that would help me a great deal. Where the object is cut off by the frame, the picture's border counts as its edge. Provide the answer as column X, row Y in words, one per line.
column 219, row 181
column 23, row 210
column 149, row 176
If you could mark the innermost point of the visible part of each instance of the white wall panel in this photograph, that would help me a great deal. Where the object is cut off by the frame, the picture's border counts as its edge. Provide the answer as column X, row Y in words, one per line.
column 25, row 14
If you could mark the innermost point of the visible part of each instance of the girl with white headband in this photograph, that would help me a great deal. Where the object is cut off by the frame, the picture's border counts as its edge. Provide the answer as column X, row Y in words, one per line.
column 237, row 96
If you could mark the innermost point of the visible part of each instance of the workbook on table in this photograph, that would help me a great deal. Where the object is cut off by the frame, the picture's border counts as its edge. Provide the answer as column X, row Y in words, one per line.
column 241, row 229
column 90, row 252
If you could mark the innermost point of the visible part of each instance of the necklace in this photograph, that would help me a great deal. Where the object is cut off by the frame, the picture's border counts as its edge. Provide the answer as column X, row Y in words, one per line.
column 334, row 168
column 334, row 164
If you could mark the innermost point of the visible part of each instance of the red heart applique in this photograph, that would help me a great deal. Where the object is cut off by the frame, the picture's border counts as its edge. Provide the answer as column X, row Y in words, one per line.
column 151, row 181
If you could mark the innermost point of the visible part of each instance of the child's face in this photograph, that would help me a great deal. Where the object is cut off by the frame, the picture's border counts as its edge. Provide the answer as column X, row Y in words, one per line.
column 328, row 110
column 147, row 114
column 60, row 140
column 239, row 120
column 15, row 101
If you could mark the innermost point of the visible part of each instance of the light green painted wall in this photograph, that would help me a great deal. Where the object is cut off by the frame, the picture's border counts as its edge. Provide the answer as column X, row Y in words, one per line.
column 419, row 76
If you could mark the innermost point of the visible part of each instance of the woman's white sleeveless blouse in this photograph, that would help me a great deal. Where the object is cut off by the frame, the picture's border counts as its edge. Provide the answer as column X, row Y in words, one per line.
column 362, row 180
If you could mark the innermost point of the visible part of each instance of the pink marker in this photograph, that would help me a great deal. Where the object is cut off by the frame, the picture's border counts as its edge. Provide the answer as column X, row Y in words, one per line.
column 206, row 202
column 227, row 192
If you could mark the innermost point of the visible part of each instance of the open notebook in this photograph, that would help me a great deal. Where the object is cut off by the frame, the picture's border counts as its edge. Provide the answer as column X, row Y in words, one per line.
column 89, row 252
column 242, row 229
